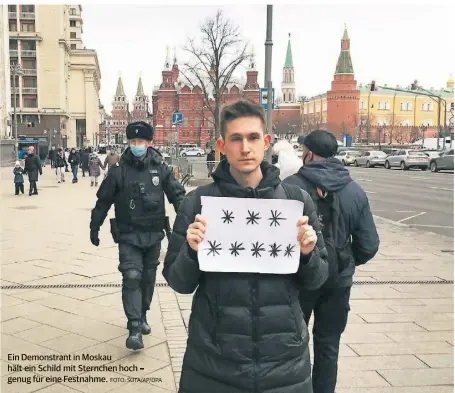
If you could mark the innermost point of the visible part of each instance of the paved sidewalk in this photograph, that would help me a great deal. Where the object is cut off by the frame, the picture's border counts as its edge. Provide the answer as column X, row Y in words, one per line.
column 399, row 337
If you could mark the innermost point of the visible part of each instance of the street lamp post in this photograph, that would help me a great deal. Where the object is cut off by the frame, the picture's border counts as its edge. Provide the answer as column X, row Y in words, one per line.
column 15, row 71
column 268, row 74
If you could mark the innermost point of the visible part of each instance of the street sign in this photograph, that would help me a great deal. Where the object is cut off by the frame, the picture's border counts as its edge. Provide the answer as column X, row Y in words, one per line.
column 177, row 118
column 263, row 94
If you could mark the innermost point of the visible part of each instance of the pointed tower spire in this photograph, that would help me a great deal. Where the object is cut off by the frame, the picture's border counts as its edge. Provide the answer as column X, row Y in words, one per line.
column 119, row 92
column 175, row 55
column 167, row 63
column 288, row 62
column 252, row 66
column 140, row 88
column 344, row 65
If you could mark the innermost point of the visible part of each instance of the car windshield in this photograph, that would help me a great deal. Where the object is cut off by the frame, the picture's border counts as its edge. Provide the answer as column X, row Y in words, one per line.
column 353, row 153
column 378, row 153
column 415, row 153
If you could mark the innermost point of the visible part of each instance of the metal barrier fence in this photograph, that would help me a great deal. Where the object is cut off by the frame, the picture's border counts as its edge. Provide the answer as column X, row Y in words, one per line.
column 193, row 172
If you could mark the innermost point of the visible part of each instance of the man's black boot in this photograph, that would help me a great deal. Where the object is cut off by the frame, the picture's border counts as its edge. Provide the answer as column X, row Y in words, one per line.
column 134, row 340
column 145, row 327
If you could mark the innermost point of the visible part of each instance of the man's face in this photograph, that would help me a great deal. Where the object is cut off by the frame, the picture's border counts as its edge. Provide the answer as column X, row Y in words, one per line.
column 245, row 143
column 73, row 151
column 138, row 142
column 31, row 150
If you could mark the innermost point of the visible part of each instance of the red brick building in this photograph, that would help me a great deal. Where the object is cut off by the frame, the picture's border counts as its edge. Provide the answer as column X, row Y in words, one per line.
column 175, row 94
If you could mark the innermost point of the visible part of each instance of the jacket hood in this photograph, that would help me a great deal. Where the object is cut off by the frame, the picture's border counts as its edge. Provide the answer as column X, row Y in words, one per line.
column 153, row 157
column 328, row 174
column 230, row 188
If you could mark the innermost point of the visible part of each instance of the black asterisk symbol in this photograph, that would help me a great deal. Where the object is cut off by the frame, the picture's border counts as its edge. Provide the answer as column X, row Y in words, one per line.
column 235, row 248
column 275, row 219
column 228, row 216
column 289, row 250
column 214, row 248
column 252, row 218
column 274, row 250
column 257, row 248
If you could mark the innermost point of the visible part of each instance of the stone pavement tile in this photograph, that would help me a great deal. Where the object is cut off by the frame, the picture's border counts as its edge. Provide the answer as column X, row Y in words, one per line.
column 397, row 362
column 364, row 337
column 99, row 331
column 141, row 365
column 60, row 319
column 69, row 343
column 407, row 389
column 355, row 319
column 164, row 378
column 8, row 301
column 345, row 350
column 434, row 376
column 4, row 368
column 383, row 327
column 437, row 302
column 97, row 387
column 437, row 361
column 384, row 302
column 410, row 348
column 59, row 302
column 40, row 334
column 149, row 340
column 378, row 308
column 18, row 277
column 30, row 295
column 433, row 326
column 22, row 385
column 422, row 309
column 364, row 379
column 18, row 325
column 420, row 336
column 409, row 317
column 76, row 293
column 22, row 310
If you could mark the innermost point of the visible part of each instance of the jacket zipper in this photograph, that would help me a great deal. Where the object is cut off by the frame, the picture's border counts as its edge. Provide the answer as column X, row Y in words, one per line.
column 254, row 289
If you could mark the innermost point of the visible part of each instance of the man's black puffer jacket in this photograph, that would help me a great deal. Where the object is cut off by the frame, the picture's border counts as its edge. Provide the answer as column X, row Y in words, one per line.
column 246, row 331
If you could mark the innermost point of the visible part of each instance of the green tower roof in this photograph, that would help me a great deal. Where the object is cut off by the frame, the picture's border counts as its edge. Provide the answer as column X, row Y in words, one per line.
column 140, row 88
column 119, row 92
column 288, row 62
column 344, row 65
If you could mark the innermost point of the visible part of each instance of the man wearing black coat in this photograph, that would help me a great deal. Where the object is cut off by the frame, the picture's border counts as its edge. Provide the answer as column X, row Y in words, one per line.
column 136, row 187
column 246, row 331
column 331, row 304
column 32, row 167
column 85, row 155
column 74, row 160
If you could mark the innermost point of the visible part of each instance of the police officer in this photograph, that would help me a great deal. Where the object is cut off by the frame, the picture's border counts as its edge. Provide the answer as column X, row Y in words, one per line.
column 136, row 187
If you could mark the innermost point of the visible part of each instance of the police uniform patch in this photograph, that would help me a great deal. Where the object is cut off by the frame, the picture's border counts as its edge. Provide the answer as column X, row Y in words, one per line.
column 137, row 131
column 155, row 180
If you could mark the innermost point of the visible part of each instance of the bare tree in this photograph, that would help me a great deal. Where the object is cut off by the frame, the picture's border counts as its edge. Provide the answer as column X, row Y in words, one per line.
column 214, row 60
column 402, row 134
column 312, row 122
column 363, row 124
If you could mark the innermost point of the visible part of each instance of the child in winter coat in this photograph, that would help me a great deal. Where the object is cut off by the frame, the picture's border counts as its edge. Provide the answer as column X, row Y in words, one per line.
column 18, row 177
column 94, row 168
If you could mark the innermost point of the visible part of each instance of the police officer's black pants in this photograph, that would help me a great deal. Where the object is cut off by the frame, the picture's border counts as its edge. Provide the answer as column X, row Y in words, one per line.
column 138, row 267
column 331, row 308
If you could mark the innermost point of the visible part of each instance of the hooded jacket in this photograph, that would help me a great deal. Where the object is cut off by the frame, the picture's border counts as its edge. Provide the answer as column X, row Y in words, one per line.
column 246, row 331
column 120, row 186
column 330, row 175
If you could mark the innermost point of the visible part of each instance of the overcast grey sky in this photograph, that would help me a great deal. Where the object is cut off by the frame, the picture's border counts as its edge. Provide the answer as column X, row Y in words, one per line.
column 393, row 44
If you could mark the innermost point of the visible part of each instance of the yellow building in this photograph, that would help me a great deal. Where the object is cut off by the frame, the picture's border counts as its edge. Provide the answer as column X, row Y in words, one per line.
column 392, row 115
column 57, row 90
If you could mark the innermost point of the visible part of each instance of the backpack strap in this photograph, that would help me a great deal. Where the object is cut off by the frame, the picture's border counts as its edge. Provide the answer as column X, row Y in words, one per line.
column 292, row 192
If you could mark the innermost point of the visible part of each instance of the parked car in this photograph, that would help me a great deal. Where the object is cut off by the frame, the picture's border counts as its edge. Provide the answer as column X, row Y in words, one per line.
column 443, row 162
column 406, row 159
column 432, row 154
column 347, row 157
column 192, row 152
column 371, row 158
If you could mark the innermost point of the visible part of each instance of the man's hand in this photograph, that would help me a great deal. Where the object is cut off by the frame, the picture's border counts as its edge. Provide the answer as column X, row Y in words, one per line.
column 94, row 238
column 196, row 231
column 306, row 237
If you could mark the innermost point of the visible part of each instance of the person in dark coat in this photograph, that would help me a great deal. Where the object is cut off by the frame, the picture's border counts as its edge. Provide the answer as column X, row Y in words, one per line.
column 60, row 163
column 137, row 187
column 52, row 156
column 210, row 162
column 74, row 160
column 246, row 331
column 18, row 178
column 31, row 168
column 331, row 305
column 84, row 161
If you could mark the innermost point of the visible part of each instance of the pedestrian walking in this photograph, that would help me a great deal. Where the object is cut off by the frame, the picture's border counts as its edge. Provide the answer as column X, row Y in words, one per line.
column 351, row 239
column 60, row 163
column 32, row 168
column 42, row 157
column 112, row 159
column 137, row 187
column 18, row 172
column 52, row 156
column 74, row 160
column 85, row 155
column 246, row 331
column 94, row 168
column 210, row 162
column 67, row 155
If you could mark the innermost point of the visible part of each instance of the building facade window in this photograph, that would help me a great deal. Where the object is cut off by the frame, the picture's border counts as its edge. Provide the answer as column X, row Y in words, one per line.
column 28, row 27
column 73, row 34
column 29, row 82
column 197, row 122
column 29, row 64
column 28, row 45
column 405, row 106
column 72, row 23
column 185, row 122
column 318, row 108
column 28, row 8
column 12, row 25
column 17, row 101
column 324, row 107
column 167, row 122
column 13, row 44
column 72, row 11
column 363, row 104
column 12, row 8
column 30, row 102
column 73, row 46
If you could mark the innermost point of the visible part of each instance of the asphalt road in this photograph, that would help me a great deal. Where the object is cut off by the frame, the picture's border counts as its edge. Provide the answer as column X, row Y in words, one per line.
column 423, row 200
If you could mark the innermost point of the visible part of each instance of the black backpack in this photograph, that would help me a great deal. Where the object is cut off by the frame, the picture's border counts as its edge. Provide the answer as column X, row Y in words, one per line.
column 333, row 227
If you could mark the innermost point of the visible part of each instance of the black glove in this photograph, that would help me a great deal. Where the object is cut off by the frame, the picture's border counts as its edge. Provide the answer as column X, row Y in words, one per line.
column 94, row 238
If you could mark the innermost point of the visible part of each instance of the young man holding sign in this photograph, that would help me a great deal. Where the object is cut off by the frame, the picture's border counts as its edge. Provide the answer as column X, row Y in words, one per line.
column 246, row 331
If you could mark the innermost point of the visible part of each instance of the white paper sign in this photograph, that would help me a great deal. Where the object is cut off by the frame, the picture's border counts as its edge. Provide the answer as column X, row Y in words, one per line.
column 250, row 235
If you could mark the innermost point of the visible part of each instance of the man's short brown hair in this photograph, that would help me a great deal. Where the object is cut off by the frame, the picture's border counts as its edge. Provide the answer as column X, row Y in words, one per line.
column 237, row 109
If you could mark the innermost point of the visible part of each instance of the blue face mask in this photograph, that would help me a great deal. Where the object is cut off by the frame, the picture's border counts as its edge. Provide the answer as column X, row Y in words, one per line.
column 138, row 150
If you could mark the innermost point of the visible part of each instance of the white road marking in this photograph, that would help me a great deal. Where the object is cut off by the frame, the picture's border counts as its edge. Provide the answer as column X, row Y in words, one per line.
column 442, row 188
column 418, row 177
column 405, row 211
column 415, row 215
column 431, row 226
column 370, row 192
column 365, row 179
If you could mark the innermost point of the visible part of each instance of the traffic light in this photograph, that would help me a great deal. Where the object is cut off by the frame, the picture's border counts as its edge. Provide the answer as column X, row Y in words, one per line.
column 373, row 86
